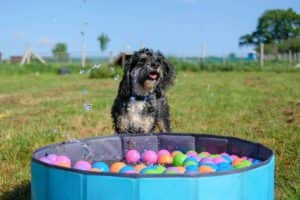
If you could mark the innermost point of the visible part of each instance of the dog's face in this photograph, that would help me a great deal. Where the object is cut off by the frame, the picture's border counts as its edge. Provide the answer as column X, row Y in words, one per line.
column 146, row 71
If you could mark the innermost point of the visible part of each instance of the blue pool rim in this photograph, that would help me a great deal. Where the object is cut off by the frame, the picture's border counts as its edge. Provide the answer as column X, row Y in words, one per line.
column 234, row 171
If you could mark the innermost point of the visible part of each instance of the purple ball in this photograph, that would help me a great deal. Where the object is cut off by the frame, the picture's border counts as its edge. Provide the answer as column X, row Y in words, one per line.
column 46, row 160
column 207, row 161
column 51, row 157
column 82, row 165
column 192, row 153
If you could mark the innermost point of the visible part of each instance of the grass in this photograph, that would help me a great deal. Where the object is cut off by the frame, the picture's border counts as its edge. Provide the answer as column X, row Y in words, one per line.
column 38, row 109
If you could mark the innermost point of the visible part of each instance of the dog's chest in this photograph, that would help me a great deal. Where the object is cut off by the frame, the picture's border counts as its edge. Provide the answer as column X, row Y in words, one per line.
column 138, row 116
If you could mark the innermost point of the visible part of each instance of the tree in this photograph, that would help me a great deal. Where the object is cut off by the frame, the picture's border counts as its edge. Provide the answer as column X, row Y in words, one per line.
column 103, row 41
column 274, row 27
column 60, row 51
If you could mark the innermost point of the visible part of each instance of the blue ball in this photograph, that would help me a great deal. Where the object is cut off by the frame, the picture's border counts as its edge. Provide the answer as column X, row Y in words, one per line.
column 102, row 166
column 227, row 158
column 127, row 168
column 224, row 167
column 191, row 168
column 255, row 162
column 190, row 161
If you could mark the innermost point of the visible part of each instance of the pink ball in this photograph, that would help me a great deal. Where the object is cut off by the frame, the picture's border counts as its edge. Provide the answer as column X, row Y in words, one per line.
column 234, row 157
column 219, row 160
column 63, row 159
column 191, row 153
column 163, row 152
column 150, row 157
column 82, row 165
column 132, row 156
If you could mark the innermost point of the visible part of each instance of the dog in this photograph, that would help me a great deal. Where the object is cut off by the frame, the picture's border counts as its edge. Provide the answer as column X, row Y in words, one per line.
column 141, row 104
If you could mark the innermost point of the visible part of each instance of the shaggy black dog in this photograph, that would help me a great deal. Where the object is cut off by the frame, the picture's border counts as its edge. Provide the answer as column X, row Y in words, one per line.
column 141, row 104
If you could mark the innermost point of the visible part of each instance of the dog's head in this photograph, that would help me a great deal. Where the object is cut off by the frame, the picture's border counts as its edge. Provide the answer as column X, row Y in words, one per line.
column 144, row 73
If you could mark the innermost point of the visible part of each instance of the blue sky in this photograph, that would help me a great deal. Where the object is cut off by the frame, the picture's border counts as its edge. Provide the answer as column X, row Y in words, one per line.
column 176, row 27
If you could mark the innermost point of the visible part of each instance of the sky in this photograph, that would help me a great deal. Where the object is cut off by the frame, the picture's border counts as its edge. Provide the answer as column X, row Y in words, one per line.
column 175, row 27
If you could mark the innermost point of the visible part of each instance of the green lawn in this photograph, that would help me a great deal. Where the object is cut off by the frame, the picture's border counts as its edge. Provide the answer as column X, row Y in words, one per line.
column 36, row 110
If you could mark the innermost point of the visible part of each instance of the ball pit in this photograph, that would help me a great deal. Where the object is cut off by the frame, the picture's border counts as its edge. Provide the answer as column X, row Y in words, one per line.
column 113, row 168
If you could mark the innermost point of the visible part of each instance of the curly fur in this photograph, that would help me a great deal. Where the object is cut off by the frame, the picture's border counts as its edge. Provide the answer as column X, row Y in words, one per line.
column 141, row 104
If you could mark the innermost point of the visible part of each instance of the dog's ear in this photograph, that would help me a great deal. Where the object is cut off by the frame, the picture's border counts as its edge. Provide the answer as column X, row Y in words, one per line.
column 125, row 84
column 168, row 73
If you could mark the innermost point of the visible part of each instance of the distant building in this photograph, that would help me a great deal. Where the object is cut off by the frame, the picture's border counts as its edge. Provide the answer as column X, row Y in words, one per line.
column 15, row 59
column 122, row 58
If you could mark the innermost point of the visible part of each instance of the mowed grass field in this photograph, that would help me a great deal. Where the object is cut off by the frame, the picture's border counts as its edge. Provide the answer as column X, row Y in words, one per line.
column 36, row 110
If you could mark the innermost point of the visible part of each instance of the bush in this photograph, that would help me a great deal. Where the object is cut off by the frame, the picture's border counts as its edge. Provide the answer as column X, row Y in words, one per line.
column 105, row 71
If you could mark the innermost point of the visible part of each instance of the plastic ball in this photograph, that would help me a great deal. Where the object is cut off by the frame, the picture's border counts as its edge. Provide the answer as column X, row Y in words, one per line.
column 243, row 164
column 181, row 169
column 204, row 154
column 190, row 161
column 95, row 170
column 46, row 160
column 52, row 157
column 214, row 156
column 63, row 159
column 224, row 167
column 212, row 165
column 102, row 166
column 132, row 156
column 196, row 157
column 165, row 159
column 206, row 169
column 227, row 158
column 127, row 170
column 255, row 162
column 219, row 160
column 150, row 157
column 234, row 157
column 207, row 161
column 179, row 159
column 63, row 164
column 191, row 153
column 159, row 168
column 116, row 167
column 172, row 170
column 163, row 152
column 191, row 168
column 237, row 161
column 139, row 167
column 82, row 165
column 174, row 153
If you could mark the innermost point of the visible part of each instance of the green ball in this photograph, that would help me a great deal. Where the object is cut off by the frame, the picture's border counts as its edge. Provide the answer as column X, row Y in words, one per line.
column 214, row 156
column 243, row 164
column 160, row 169
column 152, row 171
column 170, row 172
column 179, row 159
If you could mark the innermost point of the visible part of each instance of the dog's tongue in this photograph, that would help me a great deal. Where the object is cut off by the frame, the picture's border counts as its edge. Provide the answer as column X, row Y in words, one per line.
column 153, row 76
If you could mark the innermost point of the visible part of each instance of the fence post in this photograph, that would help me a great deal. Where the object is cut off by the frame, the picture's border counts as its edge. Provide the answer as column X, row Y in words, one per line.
column 261, row 57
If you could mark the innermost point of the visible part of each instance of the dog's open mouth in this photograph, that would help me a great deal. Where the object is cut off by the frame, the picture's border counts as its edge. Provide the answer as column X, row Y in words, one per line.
column 153, row 76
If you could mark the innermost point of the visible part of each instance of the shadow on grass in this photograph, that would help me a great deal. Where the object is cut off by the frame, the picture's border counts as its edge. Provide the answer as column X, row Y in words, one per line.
column 19, row 192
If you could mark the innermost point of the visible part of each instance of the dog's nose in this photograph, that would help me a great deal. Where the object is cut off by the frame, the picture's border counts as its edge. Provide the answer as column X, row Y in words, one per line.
column 154, row 65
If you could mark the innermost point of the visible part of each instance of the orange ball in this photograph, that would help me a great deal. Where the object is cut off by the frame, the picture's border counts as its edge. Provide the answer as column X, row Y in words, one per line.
column 63, row 164
column 95, row 170
column 237, row 161
column 206, row 169
column 165, row 159
column 139, row 167
column 116, row 167
column 181, row 170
